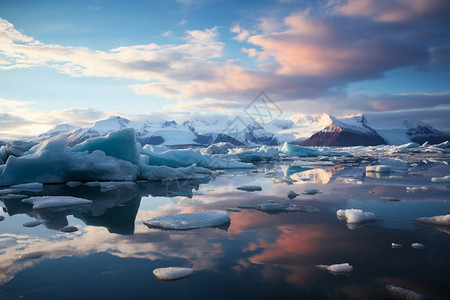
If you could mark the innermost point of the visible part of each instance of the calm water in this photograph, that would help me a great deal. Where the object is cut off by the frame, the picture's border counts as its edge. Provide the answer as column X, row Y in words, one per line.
column 258, row 256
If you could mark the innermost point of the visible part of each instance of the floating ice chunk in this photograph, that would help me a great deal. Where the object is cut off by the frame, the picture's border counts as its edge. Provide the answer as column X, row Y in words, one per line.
column 69, row 228
column 12, row 196
column 32, row 186
column 33, row 223
column 310, row 191
column 233, row 209
column 396, row 246
column 337, row 268
column 293, row 150
column 379, row 169
column 355, row 215
column 436, row 220
column 273, row 207
column 402, row 293
column 418, row 246
column 190, row 220
column 172, row 273
column 250, row 188
column 2, row 218
column 291, row 195
column 120, row 144
column 218, row 148
column 445, row 179
column 413, row 189
column 55, row 202
column 112, row 185
column 32, row 255
column 73, row 183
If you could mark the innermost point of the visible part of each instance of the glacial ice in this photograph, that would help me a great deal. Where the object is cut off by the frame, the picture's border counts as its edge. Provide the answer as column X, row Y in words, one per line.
column 249, row 188
column 355, row 215
column 187, row 221
column 445, row 179
column 293, row 150
column 172, row 273
column 403, row 293
column 44, row 202
column 379, row 169
column 252, row 155
column 337, row 268
column 443, row 220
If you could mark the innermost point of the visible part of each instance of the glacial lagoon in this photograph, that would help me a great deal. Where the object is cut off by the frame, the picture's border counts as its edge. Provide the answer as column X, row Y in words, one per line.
column 259, row 254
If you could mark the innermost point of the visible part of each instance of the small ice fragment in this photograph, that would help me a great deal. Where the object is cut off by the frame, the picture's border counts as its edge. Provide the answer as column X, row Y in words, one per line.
column 233, row 209
column 250, row 188
column 412, row 189
column 2, row 218
column 274, row 207
column 32, row 186
column 436, row 220
column 310, row 191
column 92, row 183
column 337, row 268
column 13, row 196
column 32, row 255
column 33, row 223
column 69, row 228
column 379, row 169
column 172, row 273
column 73, row 184
column 390, row 199
column 190, row 220
column 418, row 246
column 445, row 179
column 355, row 215
column 396, row 246
column 291, row 195
column 55, row 201
column 404, row 293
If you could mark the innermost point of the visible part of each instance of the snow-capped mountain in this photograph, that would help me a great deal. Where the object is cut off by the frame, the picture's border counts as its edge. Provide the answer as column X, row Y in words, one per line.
column 320, row 130
column 348, row 131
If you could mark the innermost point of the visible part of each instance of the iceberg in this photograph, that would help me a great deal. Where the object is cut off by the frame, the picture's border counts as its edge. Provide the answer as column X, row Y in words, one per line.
column 443, row 220
column 445, row 179
column 190, row 220
column 403, row 293
column 249, row 188
column 337, row 268
column 293, row 150
column 172, row 273
column 355, row 215
column 45, row 202
column 379, row 169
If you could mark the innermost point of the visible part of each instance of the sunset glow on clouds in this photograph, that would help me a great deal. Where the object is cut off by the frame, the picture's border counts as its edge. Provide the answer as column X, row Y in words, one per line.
column 342, row 55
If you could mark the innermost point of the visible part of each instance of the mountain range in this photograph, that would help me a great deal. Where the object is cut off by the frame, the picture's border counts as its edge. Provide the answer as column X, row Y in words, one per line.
column 319, row 130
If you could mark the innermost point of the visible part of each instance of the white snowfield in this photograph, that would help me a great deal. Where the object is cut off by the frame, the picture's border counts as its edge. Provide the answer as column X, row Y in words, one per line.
column 354, row 216
column 172, row 273
column 47, row 202
column 337, row 268
column 190, row 220
column 443, row 220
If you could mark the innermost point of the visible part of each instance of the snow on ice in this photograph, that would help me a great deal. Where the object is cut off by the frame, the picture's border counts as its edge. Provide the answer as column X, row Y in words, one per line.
column 190, row 220
column 355, row 215
column 172, row 273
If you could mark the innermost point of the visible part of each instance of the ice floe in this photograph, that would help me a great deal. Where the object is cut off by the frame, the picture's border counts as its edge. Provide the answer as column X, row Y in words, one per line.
column 310, row 191
column 249, row 188
column 337, row 268
column 172, row 273
column 418, row 246
column 413, row 189
column 186, row 221
column 445, row 179
column 443, row 220
column 355, row 215
column 218, row 148
column 46, row 202
column 274, row 207
column 403, row 293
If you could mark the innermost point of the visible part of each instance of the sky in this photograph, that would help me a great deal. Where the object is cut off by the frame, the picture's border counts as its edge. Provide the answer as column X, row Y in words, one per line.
column 80, row 61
